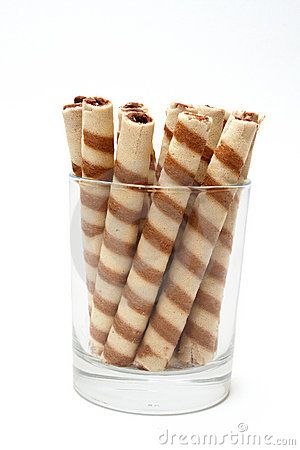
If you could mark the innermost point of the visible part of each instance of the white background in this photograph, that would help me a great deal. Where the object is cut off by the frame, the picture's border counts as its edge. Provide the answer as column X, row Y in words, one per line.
column 228, row 53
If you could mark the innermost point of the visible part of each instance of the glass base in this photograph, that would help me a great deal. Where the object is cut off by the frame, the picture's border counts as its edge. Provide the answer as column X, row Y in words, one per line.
column 161, row 393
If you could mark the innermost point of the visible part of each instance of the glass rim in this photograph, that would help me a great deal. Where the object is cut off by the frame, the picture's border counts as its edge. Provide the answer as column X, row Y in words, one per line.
column 148, row 187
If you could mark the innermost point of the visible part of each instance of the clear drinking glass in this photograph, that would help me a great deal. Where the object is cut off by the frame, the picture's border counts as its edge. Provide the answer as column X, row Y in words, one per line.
column 200, row 376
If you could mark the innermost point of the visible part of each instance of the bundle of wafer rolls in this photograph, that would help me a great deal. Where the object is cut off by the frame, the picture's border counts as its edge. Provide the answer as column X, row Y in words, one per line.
column 156, row 250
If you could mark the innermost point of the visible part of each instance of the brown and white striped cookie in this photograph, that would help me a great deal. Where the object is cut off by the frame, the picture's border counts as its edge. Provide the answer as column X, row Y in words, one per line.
column 97, row 163
column 72, row 114
column 243, row 115
column 217, row 116
column 122, row 222
column 191, row 351
column 157, row 239
column 140, row 107
column 90, row 201
column 152, row 180
column 199, row 339
column 97, row 149
column 129, row 107
column 172, row 113
column 199, row 238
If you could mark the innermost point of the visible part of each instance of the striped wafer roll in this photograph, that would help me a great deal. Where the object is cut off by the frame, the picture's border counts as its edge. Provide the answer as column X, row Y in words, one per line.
column 217, row 116
column 243, row 115
column 199, row 338
column 97, row 163
column 72, row 115
column 91, row 203
column 171, row 118
column 139, row 107
column 98, row 139
column 129, row 107
column 199, row 238
column 122, row 222
column 157, row 239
